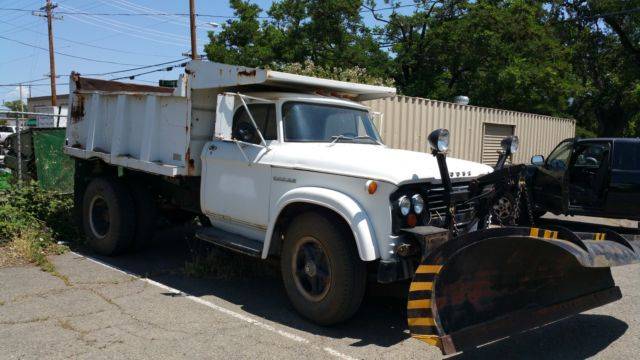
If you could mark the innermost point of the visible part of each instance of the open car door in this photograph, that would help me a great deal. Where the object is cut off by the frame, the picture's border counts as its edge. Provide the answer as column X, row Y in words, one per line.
column 550, row 186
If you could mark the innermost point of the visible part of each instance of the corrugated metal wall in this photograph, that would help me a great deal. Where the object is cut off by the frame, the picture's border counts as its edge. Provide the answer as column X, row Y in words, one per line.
column 406, row 122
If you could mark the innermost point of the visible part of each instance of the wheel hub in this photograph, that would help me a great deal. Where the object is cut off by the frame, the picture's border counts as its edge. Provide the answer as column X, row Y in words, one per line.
column 310, row 268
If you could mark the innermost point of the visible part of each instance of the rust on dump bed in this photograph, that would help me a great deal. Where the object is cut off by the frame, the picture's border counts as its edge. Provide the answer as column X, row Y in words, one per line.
column 88, row 84
column 77, row 109
column 247, row 73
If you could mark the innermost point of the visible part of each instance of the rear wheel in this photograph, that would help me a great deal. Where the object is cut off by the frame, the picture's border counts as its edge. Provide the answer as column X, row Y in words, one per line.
column 108, row 216
column 322, row 273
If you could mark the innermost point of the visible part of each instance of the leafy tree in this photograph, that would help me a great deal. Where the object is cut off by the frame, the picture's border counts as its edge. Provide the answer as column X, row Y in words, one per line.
column 605, row 38
column 328, row 33
column 15, row 105
column 499, row 53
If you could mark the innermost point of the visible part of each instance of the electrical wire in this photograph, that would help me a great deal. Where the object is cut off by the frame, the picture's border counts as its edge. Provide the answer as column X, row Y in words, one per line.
column 139, row 29
column 138, row 68
column 92, row 46
column 30, row 82
column 65, row 54
column 131, row 77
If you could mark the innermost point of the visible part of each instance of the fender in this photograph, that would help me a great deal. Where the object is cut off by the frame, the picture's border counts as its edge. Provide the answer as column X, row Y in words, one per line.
column 338, row 202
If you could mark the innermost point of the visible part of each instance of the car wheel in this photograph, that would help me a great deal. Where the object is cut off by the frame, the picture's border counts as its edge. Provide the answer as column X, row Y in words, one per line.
column 108, row 216
column 322, row 272
column 502, row 209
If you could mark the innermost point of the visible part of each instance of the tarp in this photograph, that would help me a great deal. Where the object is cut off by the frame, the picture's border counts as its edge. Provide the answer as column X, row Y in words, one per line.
column 54, row 168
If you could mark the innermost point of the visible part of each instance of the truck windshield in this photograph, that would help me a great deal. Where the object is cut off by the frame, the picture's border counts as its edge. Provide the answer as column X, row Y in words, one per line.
column 309, row 122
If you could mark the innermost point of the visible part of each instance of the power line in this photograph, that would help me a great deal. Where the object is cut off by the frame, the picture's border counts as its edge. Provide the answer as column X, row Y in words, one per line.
column 113, row 72
column 130, row 14
column 138, row 68
column 89, row 45
column 65, row 54
column 131, row 77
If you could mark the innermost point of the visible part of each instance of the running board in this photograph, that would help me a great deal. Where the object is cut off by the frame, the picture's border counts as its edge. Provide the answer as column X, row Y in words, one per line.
column 230, row 241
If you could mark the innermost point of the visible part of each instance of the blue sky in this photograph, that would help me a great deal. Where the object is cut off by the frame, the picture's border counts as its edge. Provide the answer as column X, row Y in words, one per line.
column 129, row 40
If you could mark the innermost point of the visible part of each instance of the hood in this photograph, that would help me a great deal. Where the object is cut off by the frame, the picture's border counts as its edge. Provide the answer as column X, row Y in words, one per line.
column 372, row 161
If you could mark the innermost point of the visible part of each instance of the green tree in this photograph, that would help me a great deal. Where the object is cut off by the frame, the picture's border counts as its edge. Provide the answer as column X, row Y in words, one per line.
column 605, row 38
column 499, row 53
column 328, row 33
column 15, row 105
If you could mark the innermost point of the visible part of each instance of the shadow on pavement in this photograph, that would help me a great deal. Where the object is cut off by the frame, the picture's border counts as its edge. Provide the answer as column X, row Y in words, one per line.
column 579, row 337
column 381, row 320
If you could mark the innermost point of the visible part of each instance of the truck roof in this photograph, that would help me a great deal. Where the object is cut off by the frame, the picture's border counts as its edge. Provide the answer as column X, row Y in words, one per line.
column 620, row 139
column 204, row 75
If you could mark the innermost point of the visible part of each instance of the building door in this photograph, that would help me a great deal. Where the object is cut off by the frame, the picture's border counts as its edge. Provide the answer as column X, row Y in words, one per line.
column 491, row 138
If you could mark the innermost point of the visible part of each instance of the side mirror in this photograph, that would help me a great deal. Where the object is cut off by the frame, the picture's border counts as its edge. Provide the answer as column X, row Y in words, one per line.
column 537, row 160
column 224, row 116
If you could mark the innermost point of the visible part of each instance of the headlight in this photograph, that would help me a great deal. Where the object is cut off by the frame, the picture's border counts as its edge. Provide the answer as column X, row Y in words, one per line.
column 405, row 205
column 418, row 203
column 510, row 144
column 439, row 140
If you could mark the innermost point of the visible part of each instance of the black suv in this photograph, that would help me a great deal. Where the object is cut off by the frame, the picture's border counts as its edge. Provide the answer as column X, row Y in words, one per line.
column 594, row 177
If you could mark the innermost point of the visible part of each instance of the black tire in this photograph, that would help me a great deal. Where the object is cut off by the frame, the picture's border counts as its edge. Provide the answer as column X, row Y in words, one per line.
column 502, row 209
column 108, row 216
column 146, row 214
column 346, row 272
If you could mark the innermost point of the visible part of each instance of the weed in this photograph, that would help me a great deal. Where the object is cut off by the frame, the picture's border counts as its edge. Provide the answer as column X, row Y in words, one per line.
column 30, row 221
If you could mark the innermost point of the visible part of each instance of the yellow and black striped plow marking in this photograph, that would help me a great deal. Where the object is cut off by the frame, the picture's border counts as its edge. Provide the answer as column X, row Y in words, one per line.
column 599, row 236
column 420, row 317
column 547, row 234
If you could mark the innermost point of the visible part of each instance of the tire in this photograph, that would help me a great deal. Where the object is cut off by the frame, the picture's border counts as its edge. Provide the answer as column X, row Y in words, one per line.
column 503, row 208
column 146, row 215
column 338, row 270
column 108, row 216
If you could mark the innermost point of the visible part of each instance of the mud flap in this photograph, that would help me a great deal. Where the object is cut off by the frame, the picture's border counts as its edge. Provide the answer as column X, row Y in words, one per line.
column 493, row 283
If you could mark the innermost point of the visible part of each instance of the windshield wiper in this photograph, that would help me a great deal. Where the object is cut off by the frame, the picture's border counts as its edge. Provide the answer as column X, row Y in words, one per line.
column 337, row 138
column 368, row 138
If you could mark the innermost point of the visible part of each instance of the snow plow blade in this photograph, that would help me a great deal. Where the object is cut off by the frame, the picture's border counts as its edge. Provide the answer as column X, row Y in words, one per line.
column 494, row 283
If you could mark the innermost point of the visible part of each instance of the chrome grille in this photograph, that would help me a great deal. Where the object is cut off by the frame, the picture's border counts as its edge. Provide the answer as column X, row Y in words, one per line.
column 437, row 208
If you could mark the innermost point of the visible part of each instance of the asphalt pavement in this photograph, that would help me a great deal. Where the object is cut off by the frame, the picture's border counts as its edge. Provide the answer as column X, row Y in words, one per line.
column 144, row 306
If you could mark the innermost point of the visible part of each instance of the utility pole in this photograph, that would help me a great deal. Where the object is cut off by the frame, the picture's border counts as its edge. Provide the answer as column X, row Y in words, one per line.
column 192, row 20
column 52, row 60
column 48, row 8
column 18, row 119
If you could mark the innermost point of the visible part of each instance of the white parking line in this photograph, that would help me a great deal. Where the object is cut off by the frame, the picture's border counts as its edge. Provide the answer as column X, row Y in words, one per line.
column 223, row 310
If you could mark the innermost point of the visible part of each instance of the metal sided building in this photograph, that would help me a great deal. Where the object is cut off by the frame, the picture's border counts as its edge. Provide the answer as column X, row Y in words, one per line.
column 476, row 132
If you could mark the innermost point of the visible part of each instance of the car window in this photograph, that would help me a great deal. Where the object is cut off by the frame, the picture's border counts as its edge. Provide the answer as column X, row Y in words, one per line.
column 591, row 154
column 559, row 157
column 265, row 117
column 6, row 129
column 626, row 156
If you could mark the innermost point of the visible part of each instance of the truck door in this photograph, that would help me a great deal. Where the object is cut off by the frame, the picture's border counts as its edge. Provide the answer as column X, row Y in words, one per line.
column 623, row 197
column 550, row 185
column 236, row 175
column 589, row 174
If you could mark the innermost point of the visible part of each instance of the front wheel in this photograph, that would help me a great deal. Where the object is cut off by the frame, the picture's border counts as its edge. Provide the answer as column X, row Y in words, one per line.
column 322, row 273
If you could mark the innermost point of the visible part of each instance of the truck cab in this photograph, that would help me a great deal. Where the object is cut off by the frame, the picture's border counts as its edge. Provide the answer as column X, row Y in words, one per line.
column 593, row 177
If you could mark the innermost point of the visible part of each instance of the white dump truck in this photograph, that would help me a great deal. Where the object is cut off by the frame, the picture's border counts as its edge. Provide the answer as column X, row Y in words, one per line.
column 292, row 167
